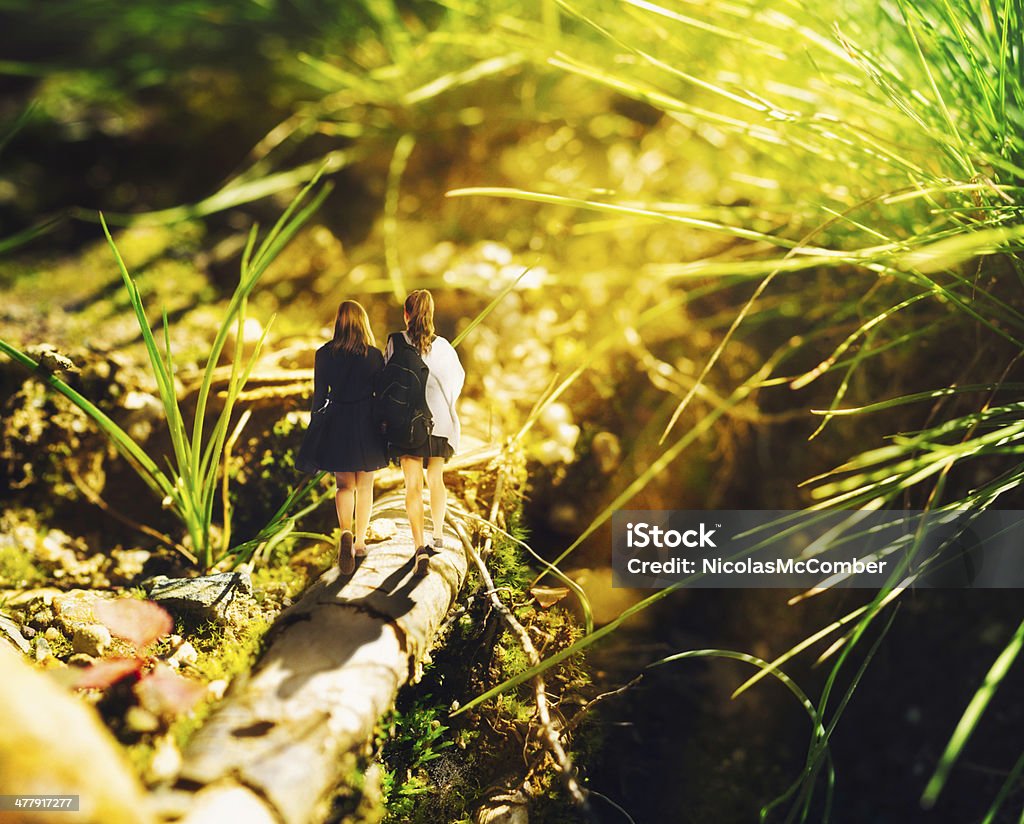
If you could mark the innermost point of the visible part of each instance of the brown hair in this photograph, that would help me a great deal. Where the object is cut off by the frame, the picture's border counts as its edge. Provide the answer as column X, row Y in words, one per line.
column 352, row 331
column 419, row 307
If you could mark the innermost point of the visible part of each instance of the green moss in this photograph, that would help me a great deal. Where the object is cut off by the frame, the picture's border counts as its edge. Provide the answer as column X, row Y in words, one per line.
column 438, row 768
column 17, row 567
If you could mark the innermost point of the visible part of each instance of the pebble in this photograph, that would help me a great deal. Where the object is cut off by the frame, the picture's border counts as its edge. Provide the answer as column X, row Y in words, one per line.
column 53, row 635
column 92, row 639
column 43, row 650
column 166, row 762
column 41, row 618
column 139, row 719
column 184, row 655
column 216, row 689
column 74, row 608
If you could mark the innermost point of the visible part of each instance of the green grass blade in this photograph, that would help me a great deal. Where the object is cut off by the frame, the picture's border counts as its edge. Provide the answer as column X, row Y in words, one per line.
column 121, row 440
column 489, row 308
column 971, row 717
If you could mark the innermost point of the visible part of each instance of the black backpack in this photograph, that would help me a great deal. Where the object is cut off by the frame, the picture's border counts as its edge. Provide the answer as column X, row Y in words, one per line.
column 400, row 405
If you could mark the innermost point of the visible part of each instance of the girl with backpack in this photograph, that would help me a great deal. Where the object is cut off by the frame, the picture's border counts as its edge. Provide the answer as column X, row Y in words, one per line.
column 350, row 444
column 442, row 383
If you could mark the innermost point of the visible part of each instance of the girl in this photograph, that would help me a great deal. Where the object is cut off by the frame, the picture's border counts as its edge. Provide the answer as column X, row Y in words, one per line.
column 352, row 447
column 444, row 383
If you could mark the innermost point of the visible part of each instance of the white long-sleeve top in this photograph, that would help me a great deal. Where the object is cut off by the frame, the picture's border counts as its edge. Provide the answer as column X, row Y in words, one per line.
column 444, row 385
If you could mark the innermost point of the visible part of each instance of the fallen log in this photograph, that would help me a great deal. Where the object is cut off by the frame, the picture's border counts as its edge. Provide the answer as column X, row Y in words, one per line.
column 333, row 665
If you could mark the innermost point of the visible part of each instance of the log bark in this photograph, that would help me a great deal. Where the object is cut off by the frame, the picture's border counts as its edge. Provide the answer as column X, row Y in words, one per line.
column 333, row 665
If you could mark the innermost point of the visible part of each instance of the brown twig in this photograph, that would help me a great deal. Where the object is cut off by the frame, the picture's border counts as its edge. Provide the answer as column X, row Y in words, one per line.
column 549, row 734
column 94, row 498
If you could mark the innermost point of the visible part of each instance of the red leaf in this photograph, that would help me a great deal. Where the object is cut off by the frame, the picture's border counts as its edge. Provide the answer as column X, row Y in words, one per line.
column 165, row 693
column 105, row 673
column 140, row 622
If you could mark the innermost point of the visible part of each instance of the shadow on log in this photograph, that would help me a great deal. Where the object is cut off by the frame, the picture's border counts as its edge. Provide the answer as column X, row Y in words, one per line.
column 333, row 665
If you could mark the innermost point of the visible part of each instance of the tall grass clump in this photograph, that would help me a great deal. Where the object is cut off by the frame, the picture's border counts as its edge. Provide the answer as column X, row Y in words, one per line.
column 187, row 480
column 885, row 142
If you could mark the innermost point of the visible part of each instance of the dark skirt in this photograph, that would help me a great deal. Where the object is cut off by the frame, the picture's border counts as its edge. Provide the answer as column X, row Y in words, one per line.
column 351, row 440
column 434, row 447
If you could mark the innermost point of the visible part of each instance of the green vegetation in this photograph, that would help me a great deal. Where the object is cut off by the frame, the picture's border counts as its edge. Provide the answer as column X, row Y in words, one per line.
column 191, row 489
column 17, row 567
column 756, row 242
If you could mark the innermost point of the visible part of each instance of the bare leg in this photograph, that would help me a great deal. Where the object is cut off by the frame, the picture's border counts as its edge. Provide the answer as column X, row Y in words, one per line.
column 364, row 500
column 438, row 497
column 412, row 468
column 344, row 498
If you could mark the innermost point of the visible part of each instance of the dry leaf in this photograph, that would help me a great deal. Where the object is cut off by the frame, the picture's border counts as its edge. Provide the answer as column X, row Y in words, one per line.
column 166, row 694
column 105, row 673
column 546, row 596
column 140, row 622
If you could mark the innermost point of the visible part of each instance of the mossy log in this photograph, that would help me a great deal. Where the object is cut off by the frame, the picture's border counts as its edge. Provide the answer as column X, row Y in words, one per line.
column 333, row 665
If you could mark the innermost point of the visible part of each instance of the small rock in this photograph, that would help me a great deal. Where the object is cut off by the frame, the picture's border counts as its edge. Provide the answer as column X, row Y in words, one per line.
column 216, row 689
column 206, row 597
column 74, row 608
column 43, row 650
column 503, row 809
column 50, row 358
column 28, row 632
column 53, row 635
column 139, row 719
column 80, row 659
column 92, row 639
column 128, row 564
column 185, row 655
column 166, row 762
column 41, row 618
column 11, row 629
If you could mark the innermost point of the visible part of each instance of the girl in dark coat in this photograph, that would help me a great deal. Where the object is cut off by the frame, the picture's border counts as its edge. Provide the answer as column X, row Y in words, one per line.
column 352, row 447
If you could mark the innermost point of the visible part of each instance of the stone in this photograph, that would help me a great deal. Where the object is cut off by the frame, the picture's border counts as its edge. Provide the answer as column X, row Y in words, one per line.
column 74, row 608
column 12, row 630
column 139, row 719
column 43, row 650
column 206, row 597
column 28, row 632
column 50, row 358
column 53, row 635
column 166, row 761
column 92, row 639
column 41, row 618
column 184, row 655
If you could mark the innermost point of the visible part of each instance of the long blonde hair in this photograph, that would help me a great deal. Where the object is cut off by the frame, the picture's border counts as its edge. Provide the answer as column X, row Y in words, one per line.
column 352, row 332
column 419, row 307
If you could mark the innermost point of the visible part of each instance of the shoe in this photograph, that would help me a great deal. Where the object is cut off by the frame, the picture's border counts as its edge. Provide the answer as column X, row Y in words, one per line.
column 360, row 551
column 346, row 558
column 422, row 560
column 438, row 543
